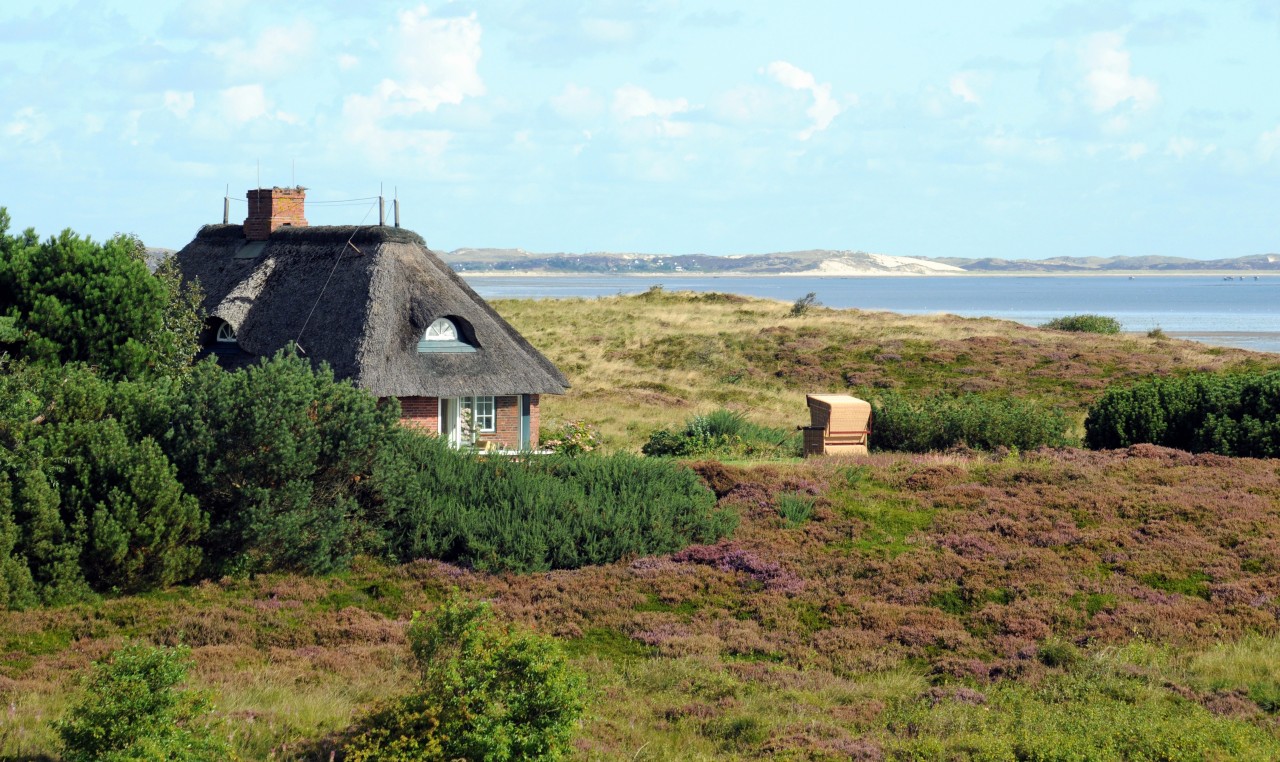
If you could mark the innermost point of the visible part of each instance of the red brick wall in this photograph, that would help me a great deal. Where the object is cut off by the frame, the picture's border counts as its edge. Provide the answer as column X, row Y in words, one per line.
column 506, row 424
column 424, row 413
column 421, row 412
column 270, row 208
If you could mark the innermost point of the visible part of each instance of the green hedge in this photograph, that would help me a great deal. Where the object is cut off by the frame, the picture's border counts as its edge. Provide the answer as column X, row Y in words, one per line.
column 1226, row 414
column 548, row 512
column 937, row 423
column 1084, row 324
column 723, row 434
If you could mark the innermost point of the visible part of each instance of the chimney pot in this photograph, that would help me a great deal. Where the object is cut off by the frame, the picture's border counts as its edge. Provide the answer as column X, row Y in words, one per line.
column 271, row 208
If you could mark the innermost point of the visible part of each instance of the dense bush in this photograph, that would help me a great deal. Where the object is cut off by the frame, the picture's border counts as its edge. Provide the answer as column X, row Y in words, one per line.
column 984, row 423
column 724, row 434
column 486, row 692
column 550, row 512
column 84, row 504
column 1084, row 324
column 132, row 712
column 70, row 299
column 1225, row 414
column 276, row 454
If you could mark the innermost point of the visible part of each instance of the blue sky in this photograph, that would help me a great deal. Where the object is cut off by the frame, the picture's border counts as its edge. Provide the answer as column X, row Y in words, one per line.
column 1006, row 129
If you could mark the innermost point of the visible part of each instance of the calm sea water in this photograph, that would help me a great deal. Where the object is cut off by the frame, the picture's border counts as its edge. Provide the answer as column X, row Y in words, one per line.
column 1243, row 313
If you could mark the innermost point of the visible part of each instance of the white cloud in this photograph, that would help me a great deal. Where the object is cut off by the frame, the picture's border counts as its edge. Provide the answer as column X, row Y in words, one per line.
column 436, row 61
column 824, row 108
column 1135, row 151
column 608, row 31
column 1269, row 144
column 1182, row 147
column 632, row 102
column 279, row 50
column 346, row 62
column 1045, row 150
column 243, row 103
column 1108, row 80
column 179, row 103
column 577, row 103
column 28, row 125
column 960, row 88
column 651, row 115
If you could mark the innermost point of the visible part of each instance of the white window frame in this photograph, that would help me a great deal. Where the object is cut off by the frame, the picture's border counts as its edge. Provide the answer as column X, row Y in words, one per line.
column 453, row 413
column 484, row 413
column 441, row 329
column 226, row 334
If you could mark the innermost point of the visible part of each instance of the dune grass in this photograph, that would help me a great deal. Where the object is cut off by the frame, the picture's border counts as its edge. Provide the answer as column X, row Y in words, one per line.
column 652, row 360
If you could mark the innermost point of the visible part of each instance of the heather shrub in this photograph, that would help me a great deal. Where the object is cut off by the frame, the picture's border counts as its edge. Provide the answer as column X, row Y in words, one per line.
column 549, row 512
column 1225, row 414
column 133, row 711
column 937, row 423
column 724, row 434
column 486, row 691
column 1084, row 324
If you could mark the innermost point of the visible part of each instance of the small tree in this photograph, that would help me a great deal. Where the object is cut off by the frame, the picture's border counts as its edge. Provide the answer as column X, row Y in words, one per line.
column 804, row 304
column 488, row 692
column 131, row 712
column 72, row 299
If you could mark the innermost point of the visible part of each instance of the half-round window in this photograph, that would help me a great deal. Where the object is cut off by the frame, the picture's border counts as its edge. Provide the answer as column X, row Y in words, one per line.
column 445, row 335
column 226, row 334
column 442, row 329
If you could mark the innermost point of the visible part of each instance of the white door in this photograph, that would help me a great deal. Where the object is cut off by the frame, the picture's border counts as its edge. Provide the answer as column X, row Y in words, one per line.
column 449, row 428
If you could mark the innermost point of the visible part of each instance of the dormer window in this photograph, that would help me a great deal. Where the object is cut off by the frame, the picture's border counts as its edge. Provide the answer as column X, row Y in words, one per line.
column 442, row 329
column 226, row 334
column 443, row 336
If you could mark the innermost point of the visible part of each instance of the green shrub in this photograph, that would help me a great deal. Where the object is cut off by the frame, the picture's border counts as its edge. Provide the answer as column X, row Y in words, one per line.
column 71, row 299
column 794, row 508
column 276, row 453
column 802, row 305
column 548, row 512
column 937, row 423
column 570, row 438
column 1084, row 324
column 487, row 692
column 1226, row 414
column 725, row 434
column 132, row 712
column 100, row 508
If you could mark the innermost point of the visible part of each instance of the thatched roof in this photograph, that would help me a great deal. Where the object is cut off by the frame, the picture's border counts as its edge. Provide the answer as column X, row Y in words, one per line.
column 382, row 292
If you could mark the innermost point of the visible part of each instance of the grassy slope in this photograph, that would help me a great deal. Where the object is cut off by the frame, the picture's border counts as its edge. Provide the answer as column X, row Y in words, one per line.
column 640, row 362
column 933, row 605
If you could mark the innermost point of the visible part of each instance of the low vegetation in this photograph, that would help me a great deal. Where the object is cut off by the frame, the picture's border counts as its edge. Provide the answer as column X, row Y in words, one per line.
column 981, row 422
column 723, row 434
column 1085, row 324
column 484, row 692
column 245, row 556
column 1230, row 414
column 654, row 360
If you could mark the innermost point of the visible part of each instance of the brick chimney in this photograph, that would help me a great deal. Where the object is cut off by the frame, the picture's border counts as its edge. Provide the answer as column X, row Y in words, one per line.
column 271, row 208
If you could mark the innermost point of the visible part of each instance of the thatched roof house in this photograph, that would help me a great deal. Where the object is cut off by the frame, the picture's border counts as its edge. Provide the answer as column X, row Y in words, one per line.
column 376, row 305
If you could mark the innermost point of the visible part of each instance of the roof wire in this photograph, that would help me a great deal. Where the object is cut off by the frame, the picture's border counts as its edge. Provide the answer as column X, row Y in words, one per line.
column 298, row 341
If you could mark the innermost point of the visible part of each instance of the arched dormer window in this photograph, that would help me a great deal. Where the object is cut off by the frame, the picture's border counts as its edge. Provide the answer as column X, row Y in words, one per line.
column 226, row 334
column 443, row 336
column 442, row 329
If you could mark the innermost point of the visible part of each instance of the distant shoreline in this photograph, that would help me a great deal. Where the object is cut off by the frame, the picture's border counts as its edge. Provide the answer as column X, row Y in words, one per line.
column 1234, row 274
